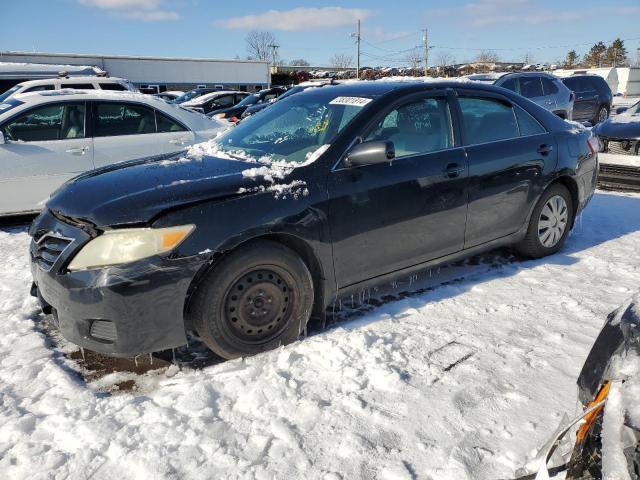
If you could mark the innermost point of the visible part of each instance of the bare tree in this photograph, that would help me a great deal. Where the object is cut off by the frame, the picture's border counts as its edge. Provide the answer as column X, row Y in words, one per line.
column 341, row 60
column 487, row 56
column 259, row 45
column 299, row 62
column 528, row 58
column 413, row 59
column 444, row 59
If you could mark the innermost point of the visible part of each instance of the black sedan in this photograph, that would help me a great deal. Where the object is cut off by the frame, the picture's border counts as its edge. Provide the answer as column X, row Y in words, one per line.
column 621, row 134
column 328, row 192
column 234, row 113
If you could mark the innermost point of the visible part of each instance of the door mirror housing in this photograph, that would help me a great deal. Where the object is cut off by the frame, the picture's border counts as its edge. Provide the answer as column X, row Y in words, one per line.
column 370, row 153
column 620, row 110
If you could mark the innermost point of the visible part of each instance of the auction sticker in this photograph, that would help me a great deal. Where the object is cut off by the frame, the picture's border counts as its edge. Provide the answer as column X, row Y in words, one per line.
column 354, row 101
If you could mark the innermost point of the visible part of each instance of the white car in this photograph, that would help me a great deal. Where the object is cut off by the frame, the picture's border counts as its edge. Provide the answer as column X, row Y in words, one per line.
column 46, row 138
column 77, row 83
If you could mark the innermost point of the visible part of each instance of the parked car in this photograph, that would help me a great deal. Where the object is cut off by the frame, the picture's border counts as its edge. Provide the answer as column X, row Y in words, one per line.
column 235, row 112
column 80, row 83
column 327, row 192
column 195, row 93
column 542, row 88
column 253, row 109
column 608, row 380
column 47, row 138
column 621, row 134
column 593, row 97
column 169, row 95
column 215, row 101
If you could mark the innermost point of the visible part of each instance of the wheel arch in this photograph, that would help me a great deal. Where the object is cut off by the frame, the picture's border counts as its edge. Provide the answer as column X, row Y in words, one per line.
column 572, row 186
column 299, row 246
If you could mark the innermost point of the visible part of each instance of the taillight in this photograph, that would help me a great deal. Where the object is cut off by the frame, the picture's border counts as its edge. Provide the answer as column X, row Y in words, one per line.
column 594, row 144
column 234, row 119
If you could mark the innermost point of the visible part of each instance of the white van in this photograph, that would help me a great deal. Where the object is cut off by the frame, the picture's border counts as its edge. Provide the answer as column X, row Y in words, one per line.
column 77, row 83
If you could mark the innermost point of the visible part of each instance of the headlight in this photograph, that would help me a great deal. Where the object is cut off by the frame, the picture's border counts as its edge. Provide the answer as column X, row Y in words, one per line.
column 128, row 245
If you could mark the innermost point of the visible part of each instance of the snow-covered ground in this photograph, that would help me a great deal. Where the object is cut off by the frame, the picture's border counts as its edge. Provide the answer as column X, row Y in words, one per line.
column 464, row 381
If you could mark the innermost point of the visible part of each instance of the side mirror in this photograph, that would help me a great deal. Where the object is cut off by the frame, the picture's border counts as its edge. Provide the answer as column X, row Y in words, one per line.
column 370, row 153
column 2, row 141
column 620, row 110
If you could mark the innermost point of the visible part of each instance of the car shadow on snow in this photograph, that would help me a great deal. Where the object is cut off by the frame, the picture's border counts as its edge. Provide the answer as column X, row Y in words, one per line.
column 91, row 368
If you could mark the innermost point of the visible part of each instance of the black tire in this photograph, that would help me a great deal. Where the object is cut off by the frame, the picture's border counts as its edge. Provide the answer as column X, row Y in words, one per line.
column 531, row 246
column 255, row 299
column 603, row 112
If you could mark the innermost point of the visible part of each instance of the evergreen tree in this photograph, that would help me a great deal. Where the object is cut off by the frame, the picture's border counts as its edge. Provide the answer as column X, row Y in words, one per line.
column 616, row 55
column 596, row 56
column 571, row 61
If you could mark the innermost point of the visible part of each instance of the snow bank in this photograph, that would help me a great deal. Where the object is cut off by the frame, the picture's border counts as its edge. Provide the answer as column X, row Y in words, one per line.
column 460, row 382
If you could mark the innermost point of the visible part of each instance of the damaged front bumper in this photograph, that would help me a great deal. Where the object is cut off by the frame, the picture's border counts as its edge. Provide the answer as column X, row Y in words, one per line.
column 120, row 310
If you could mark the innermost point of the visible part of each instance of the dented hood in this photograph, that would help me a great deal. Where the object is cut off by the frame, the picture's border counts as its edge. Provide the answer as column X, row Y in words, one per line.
column 135, row 192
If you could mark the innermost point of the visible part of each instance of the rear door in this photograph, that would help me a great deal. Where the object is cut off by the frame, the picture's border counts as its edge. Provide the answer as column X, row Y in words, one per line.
column 173, row 134
column 387, row 217
column 508, row 152
column 531, row 88
column 45, row 147
column 125, row 131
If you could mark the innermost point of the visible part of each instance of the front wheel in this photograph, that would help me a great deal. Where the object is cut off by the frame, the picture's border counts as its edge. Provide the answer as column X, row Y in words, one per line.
column 549, row 224
column 601, row 116
column 255, row 299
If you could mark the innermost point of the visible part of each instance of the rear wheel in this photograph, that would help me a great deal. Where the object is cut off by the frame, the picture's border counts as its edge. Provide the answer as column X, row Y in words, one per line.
column 255, row 299
column 549, row 224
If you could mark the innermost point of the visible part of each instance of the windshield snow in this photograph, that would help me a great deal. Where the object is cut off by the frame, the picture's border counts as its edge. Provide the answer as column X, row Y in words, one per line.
column 291, row 129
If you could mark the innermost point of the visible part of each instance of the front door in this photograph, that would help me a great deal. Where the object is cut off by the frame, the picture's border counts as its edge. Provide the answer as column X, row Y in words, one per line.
column 386, row 217
column 45, row 147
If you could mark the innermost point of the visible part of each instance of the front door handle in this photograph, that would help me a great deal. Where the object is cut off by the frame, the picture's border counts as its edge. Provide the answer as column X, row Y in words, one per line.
column 453, row 170
column 545, row 149
column 77, row 151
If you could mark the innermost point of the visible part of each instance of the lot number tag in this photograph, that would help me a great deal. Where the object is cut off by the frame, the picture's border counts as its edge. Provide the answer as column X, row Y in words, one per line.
column 354, row 101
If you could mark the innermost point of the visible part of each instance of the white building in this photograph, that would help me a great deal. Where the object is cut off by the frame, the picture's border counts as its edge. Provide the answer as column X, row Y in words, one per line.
column 161, row 73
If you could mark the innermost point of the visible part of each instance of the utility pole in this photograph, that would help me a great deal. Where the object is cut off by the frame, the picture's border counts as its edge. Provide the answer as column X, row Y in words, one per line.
column 615, row 55
column 357, row 37
column 425, row 39
column 274, row 52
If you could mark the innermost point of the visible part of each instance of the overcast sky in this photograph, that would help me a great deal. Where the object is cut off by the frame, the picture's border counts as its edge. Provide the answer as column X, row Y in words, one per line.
column 312, row 31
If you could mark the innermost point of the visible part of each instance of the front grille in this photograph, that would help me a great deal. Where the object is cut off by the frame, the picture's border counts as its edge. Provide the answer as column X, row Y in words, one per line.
column 48, row 249
column 619, row 176
column 622, row 147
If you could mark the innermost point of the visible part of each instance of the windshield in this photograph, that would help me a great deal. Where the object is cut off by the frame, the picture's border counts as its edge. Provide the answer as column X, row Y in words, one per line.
column 8, row 93
column 292, row 129
column 250, row 100
column 190, row 95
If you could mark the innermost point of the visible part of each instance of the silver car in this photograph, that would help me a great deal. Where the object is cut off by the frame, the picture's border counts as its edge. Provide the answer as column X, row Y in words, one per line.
column 545, row 89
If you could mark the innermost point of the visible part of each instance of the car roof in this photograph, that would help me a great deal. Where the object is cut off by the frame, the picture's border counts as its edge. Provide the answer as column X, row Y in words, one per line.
column 83, row 79
column 207, row 96
column 47, row 96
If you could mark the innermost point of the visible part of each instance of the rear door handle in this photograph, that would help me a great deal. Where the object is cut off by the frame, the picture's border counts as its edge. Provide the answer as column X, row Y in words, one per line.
column 77, row 151
column 453, row 170
column 545, row 149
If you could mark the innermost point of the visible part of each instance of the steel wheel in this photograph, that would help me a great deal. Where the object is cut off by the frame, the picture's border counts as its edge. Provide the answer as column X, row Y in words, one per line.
column 553, row 221
column 257, row 305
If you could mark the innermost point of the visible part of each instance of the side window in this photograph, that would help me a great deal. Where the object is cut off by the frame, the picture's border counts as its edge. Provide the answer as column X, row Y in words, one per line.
column 166, row 124
column 487, row 120
column 123, row 119
column 39, row 88
column 239, row 98
column 549, row 87
column 571, row 84
column 527, row 124
column 223, row 101
column 510, row 85
column 418, row 127
column 269, row 97
column 53, row 122
column 78, row 86
column 530, row 87
column 112, row 86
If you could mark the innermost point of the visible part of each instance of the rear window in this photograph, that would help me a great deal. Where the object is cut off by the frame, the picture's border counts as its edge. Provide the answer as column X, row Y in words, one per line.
column 549, row 86
column 487, row 120
column 527, row 124
column 78, row 86
column 166, row 124
column 510, row 85
column 113, row 86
